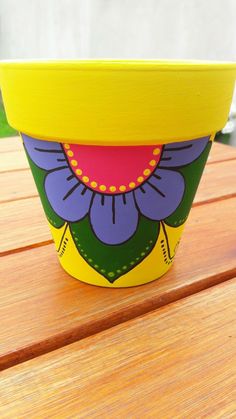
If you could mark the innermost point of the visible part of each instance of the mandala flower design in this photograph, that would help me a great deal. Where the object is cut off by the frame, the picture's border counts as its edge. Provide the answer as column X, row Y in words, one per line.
column 113, row 185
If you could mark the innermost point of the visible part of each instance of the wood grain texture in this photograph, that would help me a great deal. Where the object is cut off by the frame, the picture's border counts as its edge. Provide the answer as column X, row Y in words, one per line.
column 23, row 224
column 218, row 182
column 221, row 152
column 9, row 144
column 178, row 361
column 15, row 160
column 43, row 308
column 17, row 185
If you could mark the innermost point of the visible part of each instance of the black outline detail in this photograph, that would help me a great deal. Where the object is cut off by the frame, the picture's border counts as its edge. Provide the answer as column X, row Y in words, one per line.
column 67, row 221
column 179, row 148
column 91, row 225
column 177, row 168
column 62, row 237
column 48, row 151
column 90, row 206
column 156, row 189
column 54, row 170
column 167, row 242
column 157, row 176
column 84, row 190
column 65, row 243
column 113, row 210
column 71, row 191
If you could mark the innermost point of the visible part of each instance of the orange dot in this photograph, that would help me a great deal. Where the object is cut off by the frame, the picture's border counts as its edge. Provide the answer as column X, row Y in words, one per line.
column 156, row 151
column 132, row 185
column 74, row 162
column 112, row 188
column 67, row 146
column 140, row 179
column 78, row 172
column 70, row 153
column 94, row 184
column 85, row 179
column 146, row 172
column 152, row 163
column 102, row 188
column 122, row 188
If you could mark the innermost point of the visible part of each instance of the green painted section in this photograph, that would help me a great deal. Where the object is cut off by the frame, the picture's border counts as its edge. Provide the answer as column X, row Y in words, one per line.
column 192, row 174
column 114, row 261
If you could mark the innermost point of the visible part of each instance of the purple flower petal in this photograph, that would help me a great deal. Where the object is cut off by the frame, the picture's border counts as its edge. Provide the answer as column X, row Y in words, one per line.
column 161, row 194
column 69, row 198
column 114, row 219
column 47, row 155
column 180, row 154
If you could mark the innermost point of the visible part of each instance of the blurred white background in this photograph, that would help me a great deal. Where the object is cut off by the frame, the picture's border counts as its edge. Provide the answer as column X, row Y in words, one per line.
column 169, row 29
column 178, row 29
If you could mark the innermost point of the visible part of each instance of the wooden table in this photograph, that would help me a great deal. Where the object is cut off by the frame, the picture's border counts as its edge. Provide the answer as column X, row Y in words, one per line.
column 163, row 350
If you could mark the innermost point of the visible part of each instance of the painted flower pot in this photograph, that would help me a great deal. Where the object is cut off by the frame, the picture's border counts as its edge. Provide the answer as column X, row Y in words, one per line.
column 117, row 150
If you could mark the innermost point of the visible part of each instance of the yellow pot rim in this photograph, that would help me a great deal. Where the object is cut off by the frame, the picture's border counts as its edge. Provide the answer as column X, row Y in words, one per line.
column 117, row 102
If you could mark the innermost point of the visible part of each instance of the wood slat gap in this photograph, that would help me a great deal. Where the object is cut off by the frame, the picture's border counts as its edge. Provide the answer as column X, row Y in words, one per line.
column 92, row 328
column 220, row 161
column 19, row 199
column 25, row 248
column 211, row 200
column 176, row 362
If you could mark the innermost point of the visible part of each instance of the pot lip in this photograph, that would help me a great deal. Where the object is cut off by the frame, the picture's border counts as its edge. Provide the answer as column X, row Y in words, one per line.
column 119, row 64
column 117, row 102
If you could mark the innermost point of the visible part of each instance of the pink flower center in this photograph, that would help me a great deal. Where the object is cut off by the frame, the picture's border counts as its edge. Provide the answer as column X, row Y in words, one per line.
column 111, row 169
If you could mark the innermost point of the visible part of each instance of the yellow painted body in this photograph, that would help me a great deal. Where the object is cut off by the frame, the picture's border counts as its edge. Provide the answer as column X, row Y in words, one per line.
column 151, row 268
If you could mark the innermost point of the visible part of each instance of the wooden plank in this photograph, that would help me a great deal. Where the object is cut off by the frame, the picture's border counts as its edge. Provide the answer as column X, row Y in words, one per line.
column 9, row 144
column 218, row 181
column 15, row 160
column 178, row 361
column 43, row 308
column 23, row 224
column 17, row 185
column 221, row 152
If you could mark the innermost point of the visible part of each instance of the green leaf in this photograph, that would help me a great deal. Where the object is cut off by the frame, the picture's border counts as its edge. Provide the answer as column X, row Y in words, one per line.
column 192, row 174
column 39, row 177
column 114, row 261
